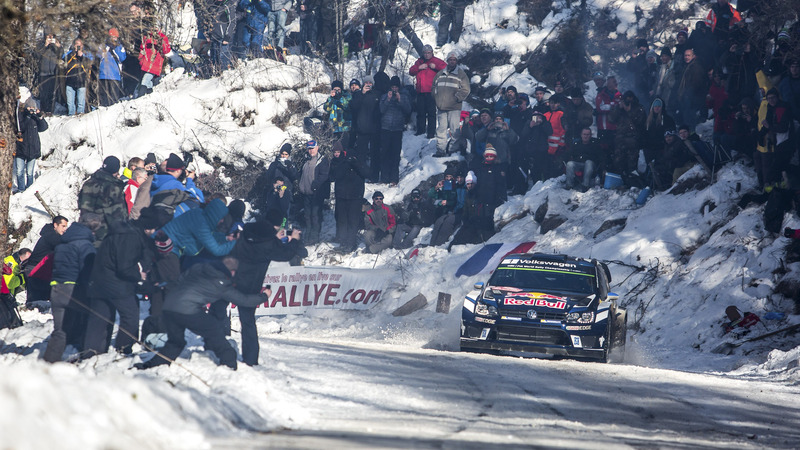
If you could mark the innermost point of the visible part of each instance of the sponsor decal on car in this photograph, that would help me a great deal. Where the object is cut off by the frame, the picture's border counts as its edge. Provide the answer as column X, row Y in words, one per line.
column 579, row 327
column 536, row 302
column 576, row 341
column 541, row 295
column 481, row 319
column 518, row 319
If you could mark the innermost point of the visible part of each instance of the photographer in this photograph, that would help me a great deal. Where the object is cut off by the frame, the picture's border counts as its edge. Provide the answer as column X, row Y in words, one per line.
column 379, row 222
column 348, row 174
column 443, row 195
column 29, row 147
column 78, row 67
column 394, row 107
column 260, row 244
column 49, row 56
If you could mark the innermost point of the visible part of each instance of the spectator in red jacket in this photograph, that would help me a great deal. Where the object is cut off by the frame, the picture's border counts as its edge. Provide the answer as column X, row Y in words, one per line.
column 425, row 69
column 138, row 176
column 152, row 52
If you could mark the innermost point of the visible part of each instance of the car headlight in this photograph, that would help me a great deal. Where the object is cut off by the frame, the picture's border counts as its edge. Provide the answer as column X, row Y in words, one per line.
column 584, row 317
column 483, row 309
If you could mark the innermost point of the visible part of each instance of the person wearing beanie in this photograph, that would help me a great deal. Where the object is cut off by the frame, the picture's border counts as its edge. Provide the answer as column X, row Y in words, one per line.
column 112, row 54
column 280, row 178
column 424, row 70
column 172, row 191
column 643, row 69
column 123, row 260
column 379, row 223
column 103, row 194
column 508, row 97
column 395, row 107
column 417, row 213
column 29, row 147
column 337, row 107
column 450, row 88
column 366, row 123
column 259, row 245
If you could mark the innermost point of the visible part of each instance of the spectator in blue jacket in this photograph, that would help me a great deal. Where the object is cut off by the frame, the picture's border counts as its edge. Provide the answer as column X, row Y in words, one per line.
column 164, row 186
column 110, row 75
column 394, row 108
column 196, row 231
column 253, row 37
column 72, row 265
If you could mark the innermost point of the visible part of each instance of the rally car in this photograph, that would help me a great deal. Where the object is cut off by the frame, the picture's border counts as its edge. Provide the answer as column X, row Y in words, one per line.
column 542, row 303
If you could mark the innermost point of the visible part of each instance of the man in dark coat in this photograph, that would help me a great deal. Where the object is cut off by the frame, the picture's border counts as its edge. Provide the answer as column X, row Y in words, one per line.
column 29, row 147
column 122, row 261
column 417, row 213
column 367, row 113
column 584, row 157
column 38, row 268
column 184, row 309
column 491, row 188
column 72, row 265
column 630, row 118
column 348, row 174
column 259, row 245
column 533, row 141
column 103, row 194
column 49, row 55
column 394, row 108
column 692, row 90
column 314, row 187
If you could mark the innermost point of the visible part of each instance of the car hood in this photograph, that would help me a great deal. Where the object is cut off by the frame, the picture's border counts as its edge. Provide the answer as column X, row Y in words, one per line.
column 537, row 299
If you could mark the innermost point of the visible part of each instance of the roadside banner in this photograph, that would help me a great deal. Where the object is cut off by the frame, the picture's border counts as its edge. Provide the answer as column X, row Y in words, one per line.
column 297, row 289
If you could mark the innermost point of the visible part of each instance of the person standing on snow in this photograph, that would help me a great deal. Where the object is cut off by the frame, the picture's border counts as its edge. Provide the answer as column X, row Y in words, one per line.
column 450, row 88
column 29, row 147
column 425, row 70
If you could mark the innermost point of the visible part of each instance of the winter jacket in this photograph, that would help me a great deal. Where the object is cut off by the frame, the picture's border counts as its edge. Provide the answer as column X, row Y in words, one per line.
column 14, row 281
column 152, row 50
column 196, row 230
column 320, row 184
column 338, row 109
column 665, row 80
column 48, row 63
column 223, row 18
column 131, row 188
column 581, row 152
column 444, row 200
column 164, row 187
column 779, row 118
column 556, row 142
column 349, row 174
column 78, row 69
column 75, row 253
column 501, row 139
column 790, row 93
column 203, row 284
column 381, row 218
column 366, row 109
column 102, row 194
column 111, row 63
column 518, row 118
column 604, row 103
column 450, row 89
column 655, row 128
column 578, row 118
column 630, row 124
column 418, row 213
column 48, row 240
column 30, row 125
column 282, row 169
column 534, row 138
column 424, row 83
column 694, row 82
column 255, row 249
column 671, row 157
column 393, row 112
column 491, row 188
column 722, row 17
column 122, row 255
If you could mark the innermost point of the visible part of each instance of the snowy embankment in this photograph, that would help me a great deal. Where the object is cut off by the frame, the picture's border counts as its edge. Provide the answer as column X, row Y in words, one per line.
column 677, row 261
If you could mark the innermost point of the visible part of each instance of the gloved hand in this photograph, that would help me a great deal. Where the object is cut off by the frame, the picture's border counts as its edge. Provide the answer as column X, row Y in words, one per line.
column 7, row 270
column 790, row 233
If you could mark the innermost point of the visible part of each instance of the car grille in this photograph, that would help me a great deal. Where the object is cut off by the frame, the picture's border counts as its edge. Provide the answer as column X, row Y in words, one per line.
column 532, row 334
column 523, row 313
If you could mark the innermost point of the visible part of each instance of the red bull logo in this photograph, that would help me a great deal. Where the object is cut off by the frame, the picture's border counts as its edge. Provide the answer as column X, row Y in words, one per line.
column 544, row 303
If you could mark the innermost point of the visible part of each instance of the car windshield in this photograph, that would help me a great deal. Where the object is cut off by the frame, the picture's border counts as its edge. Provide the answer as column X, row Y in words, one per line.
column 541, row 279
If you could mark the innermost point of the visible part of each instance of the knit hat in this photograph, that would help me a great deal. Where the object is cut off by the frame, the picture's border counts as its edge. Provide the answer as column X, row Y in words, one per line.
column 377, row 194
column 452, row 55
column 489, row 150
column 598, row 76
column 524, row 96
column 148, row 219
column 512, row 88
column 667, row 52
column 657, row 102
column 337, row 83
column 670, row 133
column 163, row 242
column 356, row 82
column 31, row 103
column 337, row 147
column 471, row 178
column 286, row 148
column 416, row 193
column 369, row 79
column 236, row 210
column 487, row 111
column 311, row 144
column 498, row 114
column 540, row 89
column 641, row 42
column 113, row 32
column 174, row 162
column 651, row 54
column 783, row 35
column 427, row 48
column 684, row 32
column 474, row 113
column 150, row 159
column 395, row 81
column 111, row 164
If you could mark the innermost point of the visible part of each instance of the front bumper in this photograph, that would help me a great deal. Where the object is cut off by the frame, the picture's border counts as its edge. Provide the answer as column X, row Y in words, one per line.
column 550, row 339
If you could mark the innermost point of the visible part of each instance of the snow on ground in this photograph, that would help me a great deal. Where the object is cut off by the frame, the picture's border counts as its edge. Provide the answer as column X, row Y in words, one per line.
column 677, row 262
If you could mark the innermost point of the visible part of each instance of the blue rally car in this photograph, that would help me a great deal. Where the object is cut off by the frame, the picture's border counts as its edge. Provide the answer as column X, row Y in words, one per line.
column 543, row 303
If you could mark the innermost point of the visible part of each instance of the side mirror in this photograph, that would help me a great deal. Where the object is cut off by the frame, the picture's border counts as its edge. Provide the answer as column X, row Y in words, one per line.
column 478, row 285
column 612, row 297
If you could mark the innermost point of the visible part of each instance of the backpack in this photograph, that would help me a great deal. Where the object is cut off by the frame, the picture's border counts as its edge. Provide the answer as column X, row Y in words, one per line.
column 9, row 316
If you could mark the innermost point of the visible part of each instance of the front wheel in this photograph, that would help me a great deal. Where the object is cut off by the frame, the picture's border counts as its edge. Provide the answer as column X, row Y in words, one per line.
column 619, row 337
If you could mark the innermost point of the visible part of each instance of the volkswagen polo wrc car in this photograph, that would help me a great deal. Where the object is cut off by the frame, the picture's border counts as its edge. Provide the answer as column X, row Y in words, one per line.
column 542, row 303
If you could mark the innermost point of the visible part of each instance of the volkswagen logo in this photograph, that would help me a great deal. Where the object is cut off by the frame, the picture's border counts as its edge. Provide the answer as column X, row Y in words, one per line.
column 531, row 314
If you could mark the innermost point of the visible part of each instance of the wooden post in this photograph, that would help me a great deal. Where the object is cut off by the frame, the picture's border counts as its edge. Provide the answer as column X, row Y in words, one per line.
column 443, row 304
